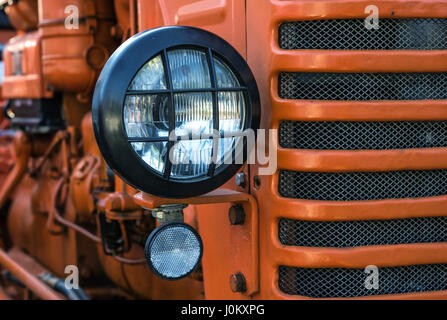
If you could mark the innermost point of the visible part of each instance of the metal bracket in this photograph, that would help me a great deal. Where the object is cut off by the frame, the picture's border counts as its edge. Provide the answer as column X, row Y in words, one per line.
column 244, row 238
column 169, row 213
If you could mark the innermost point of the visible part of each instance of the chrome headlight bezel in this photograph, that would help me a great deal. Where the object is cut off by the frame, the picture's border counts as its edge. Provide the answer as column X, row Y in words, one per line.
column 112, row 89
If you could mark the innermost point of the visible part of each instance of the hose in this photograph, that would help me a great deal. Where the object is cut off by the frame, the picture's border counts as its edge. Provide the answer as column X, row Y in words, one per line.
column 61, row 220
column 56, row 284
column 59, row 285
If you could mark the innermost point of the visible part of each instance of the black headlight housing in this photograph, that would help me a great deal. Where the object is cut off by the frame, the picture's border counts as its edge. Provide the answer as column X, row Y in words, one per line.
column 112, row 95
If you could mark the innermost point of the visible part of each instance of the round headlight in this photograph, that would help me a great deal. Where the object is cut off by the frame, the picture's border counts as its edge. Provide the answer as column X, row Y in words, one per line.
column 170, row 110
column 173, row 250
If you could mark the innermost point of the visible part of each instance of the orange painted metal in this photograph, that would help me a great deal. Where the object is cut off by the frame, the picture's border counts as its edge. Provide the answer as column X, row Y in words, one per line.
column 82, row 186
column 6, row 153
column 337, row 161
column 4, row 295
column 267, row 60
column 439, row 295
column 23, row 15
column 313, row 110
column 44, row 221
column 359, row 258
column 5, row 35
column 218, row 196
column 341, row 61
column 22, row 153
column 122, row 30
column 225, row 18
column 29, row 83
column 73, row 57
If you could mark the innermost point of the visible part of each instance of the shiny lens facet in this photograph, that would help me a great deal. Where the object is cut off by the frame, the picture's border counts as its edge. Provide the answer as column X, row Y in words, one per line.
column 195, row 99
column 146, row 116
column 225, row 77
column 189, row 69
column 191, row 158
column 152, row 153
column 150, row 77
column 193, row 113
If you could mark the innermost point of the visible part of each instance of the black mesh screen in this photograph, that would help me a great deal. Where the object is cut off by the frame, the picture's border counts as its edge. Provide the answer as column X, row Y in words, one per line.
column 353, row 186
column 338, row 282
column 341, row 234
column 339, row 135
column 362, row 86
column 351, row 34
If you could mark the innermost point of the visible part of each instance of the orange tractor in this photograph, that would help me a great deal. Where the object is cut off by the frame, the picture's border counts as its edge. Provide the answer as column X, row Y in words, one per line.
column 223, row 149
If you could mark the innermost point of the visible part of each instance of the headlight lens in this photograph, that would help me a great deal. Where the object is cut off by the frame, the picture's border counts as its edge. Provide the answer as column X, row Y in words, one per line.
column 170, row 110
column 147, row 115
column 189, row 69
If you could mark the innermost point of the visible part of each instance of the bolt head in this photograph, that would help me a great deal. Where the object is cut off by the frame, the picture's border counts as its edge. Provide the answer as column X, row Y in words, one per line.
column 240, row 180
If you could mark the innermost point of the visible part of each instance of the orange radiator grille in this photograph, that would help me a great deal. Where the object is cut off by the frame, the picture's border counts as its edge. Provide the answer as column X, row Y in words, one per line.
column 362, row 149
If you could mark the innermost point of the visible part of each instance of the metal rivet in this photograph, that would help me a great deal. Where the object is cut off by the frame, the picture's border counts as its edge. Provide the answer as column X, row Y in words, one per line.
column 238, row 283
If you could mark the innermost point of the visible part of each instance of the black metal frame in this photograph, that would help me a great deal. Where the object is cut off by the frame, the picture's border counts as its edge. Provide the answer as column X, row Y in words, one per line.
column 112, row 89
column 150, row 240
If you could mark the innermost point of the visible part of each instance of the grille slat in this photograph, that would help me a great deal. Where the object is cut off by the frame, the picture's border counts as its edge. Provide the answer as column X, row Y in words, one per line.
column 340, row 282
column 339, row 135
column 343, row 234
column 362, row 86
column 356, row 186
column 351, row 34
